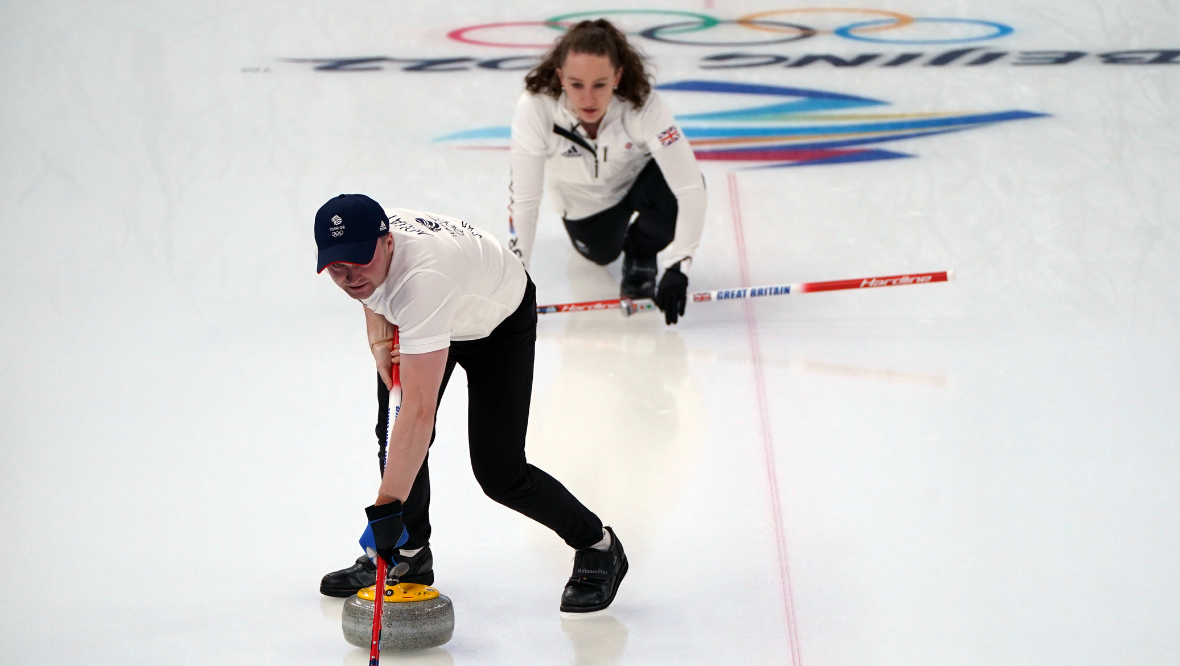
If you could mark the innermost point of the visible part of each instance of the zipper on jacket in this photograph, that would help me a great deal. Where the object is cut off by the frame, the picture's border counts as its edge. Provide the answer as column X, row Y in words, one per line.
column 577, row 138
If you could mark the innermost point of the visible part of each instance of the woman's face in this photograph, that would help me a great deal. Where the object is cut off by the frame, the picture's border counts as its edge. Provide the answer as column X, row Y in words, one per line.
column 589, row 82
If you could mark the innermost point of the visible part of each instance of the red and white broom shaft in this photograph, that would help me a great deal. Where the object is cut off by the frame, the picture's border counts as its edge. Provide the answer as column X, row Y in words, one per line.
column 395, row 397
column 395, row 404
column 630, row 307
column 395, row 393
column 378, row 606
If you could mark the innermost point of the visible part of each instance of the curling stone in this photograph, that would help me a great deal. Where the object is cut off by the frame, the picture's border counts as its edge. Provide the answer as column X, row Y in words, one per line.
column 413, row 617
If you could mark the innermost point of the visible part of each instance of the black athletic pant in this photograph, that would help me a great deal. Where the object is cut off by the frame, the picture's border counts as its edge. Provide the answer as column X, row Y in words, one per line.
column 499, row 388
column 602, row 236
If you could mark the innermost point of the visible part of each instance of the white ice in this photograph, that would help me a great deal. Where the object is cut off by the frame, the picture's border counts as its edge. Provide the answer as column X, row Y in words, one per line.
column 980, row 472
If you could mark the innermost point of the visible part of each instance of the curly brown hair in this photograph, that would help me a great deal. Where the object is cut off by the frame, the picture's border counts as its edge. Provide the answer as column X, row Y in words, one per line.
column 595, row 38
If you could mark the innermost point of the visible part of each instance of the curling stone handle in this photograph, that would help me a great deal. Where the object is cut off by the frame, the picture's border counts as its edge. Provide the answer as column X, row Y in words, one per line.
column 399, row 571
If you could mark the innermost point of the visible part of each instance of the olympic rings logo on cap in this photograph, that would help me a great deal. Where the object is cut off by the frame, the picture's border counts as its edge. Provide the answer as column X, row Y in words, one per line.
column 776, row 26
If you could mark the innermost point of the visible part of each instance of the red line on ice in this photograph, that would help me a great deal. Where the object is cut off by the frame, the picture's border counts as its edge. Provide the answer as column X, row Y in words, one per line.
column 764, row 420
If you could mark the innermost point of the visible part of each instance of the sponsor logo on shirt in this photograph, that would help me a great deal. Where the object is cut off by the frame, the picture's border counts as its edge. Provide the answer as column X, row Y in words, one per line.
column 669, row 136
column 402, row 225
column 471, row 230
column 337, row 227
column 439, row 224
column 427, row 224
column 572, row 152
column 432, row 225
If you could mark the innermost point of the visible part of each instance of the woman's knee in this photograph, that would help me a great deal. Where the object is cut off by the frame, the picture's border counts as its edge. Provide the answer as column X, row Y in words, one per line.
column 600, row 253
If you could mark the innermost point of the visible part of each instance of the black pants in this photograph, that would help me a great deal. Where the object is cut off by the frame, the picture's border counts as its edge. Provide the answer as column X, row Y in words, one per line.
column 499, row 388
column 602, row 236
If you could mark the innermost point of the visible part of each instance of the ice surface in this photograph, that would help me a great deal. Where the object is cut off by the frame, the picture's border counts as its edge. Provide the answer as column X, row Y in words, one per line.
column 980, row 472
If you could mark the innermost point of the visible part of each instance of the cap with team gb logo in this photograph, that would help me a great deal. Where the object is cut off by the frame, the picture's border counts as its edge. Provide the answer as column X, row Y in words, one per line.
column 347, row 228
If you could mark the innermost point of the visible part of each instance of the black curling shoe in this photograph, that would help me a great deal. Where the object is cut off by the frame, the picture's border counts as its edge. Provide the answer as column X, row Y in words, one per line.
column 596, row 578
column 639, row 277
column 363, row 573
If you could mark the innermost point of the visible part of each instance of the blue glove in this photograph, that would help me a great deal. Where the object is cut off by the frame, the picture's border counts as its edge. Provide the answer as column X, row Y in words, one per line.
column 385, row 532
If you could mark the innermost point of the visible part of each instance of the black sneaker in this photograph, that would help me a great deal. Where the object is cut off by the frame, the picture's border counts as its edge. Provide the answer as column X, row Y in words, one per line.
column 639, row 277
column 596, row 578
column 363, row 573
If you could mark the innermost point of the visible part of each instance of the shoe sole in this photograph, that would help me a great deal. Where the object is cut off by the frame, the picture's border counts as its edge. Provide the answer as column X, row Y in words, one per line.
column 338, row 592
column 591, row 609
column 343, row 592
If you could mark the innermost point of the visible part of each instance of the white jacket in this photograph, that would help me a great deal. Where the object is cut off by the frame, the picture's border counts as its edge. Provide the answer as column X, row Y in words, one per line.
column 584, row 182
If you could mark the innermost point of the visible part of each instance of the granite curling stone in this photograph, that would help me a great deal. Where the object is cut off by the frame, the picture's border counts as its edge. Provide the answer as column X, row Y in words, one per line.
column 413, row 617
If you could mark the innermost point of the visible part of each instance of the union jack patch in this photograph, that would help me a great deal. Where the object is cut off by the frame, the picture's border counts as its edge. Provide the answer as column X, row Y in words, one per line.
column 669, row 136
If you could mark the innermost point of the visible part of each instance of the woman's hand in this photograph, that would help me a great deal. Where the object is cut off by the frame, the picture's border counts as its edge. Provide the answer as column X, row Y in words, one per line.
column 387, row 355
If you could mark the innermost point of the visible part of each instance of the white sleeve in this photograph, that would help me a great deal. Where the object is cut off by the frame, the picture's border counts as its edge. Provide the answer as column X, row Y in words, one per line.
column 428, row 301
column 674, row 156
column 531, row 128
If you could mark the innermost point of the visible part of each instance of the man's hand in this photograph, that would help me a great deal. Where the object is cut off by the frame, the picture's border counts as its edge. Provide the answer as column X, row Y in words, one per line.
column 387, row 355
column 672, row 294
column 385, row 533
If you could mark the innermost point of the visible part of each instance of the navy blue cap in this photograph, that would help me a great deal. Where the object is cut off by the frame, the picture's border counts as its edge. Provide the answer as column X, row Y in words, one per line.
column 347, row 229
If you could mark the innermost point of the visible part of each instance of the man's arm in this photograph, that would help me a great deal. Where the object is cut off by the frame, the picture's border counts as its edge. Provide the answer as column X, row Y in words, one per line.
column 421, row 376
column 381, row 344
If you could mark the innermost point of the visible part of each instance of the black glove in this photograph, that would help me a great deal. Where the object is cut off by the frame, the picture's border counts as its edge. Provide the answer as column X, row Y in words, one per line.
column 672, row 294
column 385, row 533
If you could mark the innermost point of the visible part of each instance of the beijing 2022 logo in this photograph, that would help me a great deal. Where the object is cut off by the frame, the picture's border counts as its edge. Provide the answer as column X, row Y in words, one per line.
column 807, row 128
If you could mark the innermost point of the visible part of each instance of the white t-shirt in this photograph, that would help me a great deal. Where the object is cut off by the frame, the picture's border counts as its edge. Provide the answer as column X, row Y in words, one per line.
column 584, row 182
column 447, row 281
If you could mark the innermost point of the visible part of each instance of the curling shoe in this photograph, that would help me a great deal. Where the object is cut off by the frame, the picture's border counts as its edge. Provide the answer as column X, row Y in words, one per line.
column 363, row 573
column 639, row 277
column 596, row 578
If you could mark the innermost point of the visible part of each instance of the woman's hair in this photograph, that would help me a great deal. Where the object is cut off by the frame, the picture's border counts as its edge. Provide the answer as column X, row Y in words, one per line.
column 595, row 38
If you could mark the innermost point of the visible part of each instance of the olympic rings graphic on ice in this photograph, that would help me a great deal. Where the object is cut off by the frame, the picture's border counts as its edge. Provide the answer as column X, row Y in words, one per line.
column 802, row 32
column 901, row 20
column 863, row 31
column 460, row 35
column 1000, row 28
column 706, row 21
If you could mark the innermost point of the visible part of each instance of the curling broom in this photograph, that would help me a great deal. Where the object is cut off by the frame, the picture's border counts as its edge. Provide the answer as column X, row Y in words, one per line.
column 630, row 307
